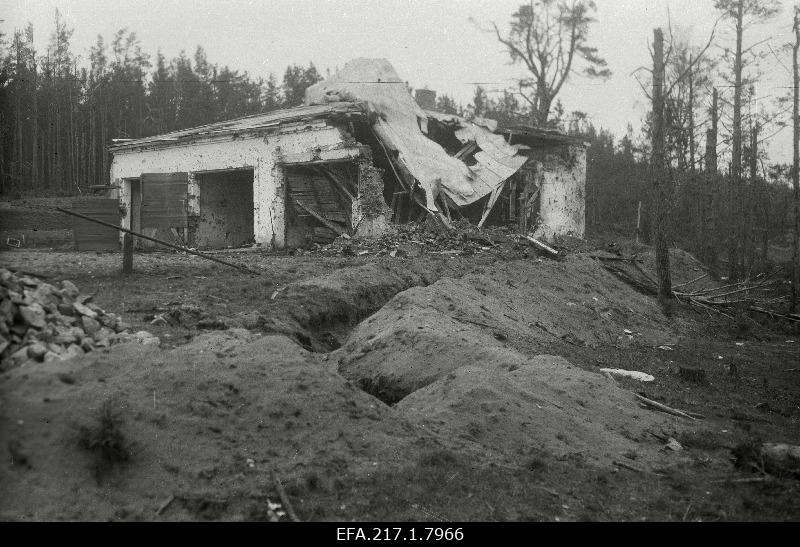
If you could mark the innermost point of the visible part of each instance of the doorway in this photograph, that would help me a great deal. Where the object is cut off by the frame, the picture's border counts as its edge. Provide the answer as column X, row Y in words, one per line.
column 226, row 209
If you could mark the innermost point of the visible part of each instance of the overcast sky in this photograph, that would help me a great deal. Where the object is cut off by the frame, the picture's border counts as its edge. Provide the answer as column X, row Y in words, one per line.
column 430, row 42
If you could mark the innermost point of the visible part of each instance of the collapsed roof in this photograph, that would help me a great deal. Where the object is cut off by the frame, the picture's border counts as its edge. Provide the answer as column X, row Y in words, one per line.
column 402, row 126
column 441, row 154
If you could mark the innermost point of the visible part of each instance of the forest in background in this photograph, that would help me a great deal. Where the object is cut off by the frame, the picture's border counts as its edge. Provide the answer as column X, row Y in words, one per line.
column 59, row 112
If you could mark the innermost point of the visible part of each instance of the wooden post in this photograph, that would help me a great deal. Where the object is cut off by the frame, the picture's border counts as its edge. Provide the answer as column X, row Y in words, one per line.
column 127, row 254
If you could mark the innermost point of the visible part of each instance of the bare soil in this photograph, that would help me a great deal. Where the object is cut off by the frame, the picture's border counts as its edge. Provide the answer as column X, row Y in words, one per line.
column 434, row 387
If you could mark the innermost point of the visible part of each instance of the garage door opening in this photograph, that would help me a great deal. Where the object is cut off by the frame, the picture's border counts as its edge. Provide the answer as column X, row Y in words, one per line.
column 226, row 209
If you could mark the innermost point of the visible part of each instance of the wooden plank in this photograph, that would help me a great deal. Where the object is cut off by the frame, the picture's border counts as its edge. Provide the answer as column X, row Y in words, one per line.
column 164, row 200
column 90, row 236
column 328, row 224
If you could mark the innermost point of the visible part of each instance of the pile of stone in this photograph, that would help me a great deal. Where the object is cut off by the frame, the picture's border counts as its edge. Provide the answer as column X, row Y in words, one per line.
column 44, row 322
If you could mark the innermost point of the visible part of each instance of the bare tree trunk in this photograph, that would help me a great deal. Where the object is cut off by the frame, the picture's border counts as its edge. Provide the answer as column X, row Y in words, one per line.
column 710, row 254
column 796, row 162
column 691, row 118
column 19, row 151
column 660, row 194
column 34, row 131
column 735, row 213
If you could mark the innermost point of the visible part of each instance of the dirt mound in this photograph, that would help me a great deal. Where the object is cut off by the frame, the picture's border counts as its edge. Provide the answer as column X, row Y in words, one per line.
column 425, row 332
column 523, row 408
column 43, row 322
column 316, row 311
column 207, row 424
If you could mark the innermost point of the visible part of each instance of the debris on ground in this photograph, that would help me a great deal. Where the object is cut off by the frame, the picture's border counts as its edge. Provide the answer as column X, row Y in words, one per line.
column 635, row 374
column 777, row 459
column 44, row 322
column 415, row 239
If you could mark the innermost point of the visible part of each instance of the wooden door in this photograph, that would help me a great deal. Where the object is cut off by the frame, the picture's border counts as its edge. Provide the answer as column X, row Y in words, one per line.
column 163, row 207
column 90, row 236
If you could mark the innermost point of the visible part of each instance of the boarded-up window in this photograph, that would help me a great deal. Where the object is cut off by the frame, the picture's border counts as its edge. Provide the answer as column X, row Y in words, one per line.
column 164, row 205
column 90, row 236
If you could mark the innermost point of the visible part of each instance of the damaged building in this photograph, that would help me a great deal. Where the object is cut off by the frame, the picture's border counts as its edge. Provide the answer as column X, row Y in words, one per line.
column 359, row 155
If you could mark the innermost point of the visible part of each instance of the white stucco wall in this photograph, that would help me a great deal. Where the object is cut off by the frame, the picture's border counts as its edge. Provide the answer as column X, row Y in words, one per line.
column 263, row 154
column 563, row 194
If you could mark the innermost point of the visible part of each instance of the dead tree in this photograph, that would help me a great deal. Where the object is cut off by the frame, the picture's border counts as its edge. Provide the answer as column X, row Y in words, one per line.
column 796, row 161
column 660, row 188
column 744, row 14
column 709, row 177
column 549, row 38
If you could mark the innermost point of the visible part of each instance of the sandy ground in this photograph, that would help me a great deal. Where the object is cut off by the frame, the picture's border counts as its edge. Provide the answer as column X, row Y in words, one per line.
column 437, row 387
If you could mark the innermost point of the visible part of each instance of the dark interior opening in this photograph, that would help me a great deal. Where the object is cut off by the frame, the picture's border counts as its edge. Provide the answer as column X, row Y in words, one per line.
column 226, row 209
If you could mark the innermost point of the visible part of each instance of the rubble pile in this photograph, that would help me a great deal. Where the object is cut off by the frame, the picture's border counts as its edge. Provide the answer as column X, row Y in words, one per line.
column 44, row 322
column 415, row 239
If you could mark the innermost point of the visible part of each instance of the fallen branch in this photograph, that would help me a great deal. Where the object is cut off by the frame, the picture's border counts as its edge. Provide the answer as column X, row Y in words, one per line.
column 540, row 245
column 465, row 320
column 163, row 506
column 664, row 408
column 284, row 499
column 23, row 272
column 695, row 280
column 746, row 480
column 706, row 299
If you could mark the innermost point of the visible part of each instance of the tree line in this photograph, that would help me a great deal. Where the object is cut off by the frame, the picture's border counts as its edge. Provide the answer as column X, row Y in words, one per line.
column 57, row 117
column 697, row 175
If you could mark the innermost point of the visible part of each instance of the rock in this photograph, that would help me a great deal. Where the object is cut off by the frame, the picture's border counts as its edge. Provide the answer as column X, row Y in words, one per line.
column 66, row 309
column 63, row 320
column 3, row 344
column 84, row 310
column 108, row 320
column 635, row 374
column 673, row 445
column 17, row 298
column 19, row 356
column 103, row 333
column 73, row 350
column 68, row 335
column 146, row 338
column 7, row 310
column 55, row 348
column 102, row 343
column 122, row 326
column 251, row 320
column 44, row 294
column 159, row 321
column 69, row 288
column 90, row 326
column 51, row 356
column 33, row 315
column 37, row 351
column 87, row 345
column 28, row 281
